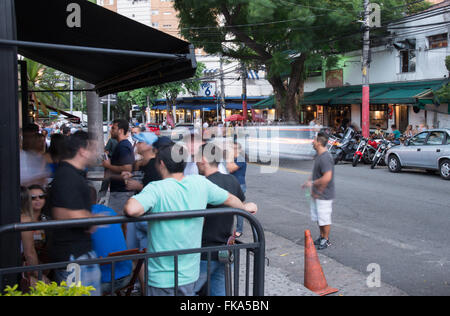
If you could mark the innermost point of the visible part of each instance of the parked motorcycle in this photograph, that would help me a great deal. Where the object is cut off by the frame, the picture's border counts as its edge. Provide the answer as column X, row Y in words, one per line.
column 383, row 148
column 366, row 151
column 346, row 147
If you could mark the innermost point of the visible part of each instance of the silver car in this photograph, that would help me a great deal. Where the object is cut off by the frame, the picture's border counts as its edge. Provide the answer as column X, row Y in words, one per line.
column 428, row 150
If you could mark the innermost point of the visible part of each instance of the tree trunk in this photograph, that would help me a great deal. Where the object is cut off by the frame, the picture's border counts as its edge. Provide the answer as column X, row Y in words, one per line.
column 296, row 81
column 287, row 94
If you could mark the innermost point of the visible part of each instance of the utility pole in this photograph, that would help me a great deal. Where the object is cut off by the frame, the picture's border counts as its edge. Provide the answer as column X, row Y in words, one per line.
column 71, row 94
column 108, row 120
column 244, row 92
column 222, row 91
column 365, row 72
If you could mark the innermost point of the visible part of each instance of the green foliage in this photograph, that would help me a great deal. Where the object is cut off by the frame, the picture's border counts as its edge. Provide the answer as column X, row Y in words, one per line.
column 444, row 94
column 170, row 91
column 41, row 77
column 53, row 289
column 276, row 33
column 413, row 6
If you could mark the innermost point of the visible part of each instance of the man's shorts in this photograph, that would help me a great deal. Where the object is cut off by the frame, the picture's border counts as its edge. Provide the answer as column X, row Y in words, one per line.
column 321, row 211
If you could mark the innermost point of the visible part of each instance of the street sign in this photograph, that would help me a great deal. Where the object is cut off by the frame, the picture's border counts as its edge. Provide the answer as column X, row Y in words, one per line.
column 208, row 89
column 112, row 99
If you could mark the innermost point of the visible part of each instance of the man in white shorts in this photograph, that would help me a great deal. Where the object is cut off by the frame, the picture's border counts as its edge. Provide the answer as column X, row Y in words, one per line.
column 322, row 190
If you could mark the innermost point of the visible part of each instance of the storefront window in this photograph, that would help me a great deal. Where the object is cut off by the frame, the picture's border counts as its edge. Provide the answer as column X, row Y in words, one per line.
column 307, row 114
column 379, row 115
column 339, row 115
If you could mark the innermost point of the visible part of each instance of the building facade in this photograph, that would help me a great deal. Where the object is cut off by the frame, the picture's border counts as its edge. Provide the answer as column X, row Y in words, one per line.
column 412, row 57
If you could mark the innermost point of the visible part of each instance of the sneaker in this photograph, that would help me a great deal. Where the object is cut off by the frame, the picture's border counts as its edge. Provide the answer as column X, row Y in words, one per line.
column 324, row 244
column 318, row 241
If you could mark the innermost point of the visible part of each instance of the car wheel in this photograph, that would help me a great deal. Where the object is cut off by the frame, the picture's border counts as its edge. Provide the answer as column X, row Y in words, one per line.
column 394, row 164
column 444, row 169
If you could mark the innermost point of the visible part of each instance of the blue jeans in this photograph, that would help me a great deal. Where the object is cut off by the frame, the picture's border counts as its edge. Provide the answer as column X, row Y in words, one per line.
column 217, row 278
column 240, row 219
column 137, row 235
column 90, row 275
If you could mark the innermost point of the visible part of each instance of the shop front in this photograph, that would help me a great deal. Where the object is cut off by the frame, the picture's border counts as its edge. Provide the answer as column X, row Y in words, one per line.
column 396, row 104
column 190, row 110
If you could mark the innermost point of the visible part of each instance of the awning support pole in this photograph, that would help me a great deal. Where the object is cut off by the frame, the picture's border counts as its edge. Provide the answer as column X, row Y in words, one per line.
column 9, row 146
column 180, row 57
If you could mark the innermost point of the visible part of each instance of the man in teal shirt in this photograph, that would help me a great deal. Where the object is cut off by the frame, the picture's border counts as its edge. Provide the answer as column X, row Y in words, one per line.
column 396, row 135
column 177, row 193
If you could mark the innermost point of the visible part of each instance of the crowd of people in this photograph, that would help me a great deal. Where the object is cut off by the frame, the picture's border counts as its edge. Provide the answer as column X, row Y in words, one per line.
column 142, row 176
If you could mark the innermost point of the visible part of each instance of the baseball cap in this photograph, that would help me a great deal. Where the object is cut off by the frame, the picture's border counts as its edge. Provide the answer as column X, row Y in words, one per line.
column 148, row 138
column 162, row 142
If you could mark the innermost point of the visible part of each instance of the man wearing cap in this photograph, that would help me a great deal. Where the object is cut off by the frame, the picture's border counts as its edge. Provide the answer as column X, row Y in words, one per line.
column 147, row 145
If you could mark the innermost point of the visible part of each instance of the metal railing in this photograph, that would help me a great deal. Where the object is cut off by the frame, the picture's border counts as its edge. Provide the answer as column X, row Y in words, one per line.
column 257, row 248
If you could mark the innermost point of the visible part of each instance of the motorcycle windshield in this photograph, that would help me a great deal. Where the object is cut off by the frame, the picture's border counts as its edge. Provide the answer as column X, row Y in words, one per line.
column 349, row 133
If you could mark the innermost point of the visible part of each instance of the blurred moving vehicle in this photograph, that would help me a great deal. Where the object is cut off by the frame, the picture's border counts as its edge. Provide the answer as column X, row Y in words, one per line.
column 429, row 150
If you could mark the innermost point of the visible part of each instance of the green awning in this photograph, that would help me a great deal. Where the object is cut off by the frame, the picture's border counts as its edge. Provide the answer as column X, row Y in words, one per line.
column 265, row 104
column 386, row 93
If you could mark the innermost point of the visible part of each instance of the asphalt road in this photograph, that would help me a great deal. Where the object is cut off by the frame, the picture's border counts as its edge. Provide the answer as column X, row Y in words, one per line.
column 399, row 221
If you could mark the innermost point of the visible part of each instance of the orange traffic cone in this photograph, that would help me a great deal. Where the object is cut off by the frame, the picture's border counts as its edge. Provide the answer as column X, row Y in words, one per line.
column 314, row 276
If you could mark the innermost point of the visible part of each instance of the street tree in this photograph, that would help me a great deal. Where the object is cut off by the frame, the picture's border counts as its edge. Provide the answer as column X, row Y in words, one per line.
column 288, row 38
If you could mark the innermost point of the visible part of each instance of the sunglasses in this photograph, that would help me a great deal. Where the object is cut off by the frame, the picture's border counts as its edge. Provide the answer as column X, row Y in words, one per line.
column 35, row 197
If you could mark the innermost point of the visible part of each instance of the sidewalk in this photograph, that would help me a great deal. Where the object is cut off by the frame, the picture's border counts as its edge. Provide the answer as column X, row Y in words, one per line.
column 285, row 273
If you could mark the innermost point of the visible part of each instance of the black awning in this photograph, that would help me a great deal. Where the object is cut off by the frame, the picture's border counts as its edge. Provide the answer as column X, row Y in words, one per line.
column 46, row 21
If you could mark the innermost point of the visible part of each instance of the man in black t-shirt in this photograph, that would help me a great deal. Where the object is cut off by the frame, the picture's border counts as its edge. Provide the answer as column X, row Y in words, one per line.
column 70, row 199
column 122, row 160
column 217, row 229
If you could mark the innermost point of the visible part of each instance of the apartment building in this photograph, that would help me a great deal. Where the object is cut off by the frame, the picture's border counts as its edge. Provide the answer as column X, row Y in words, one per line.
column 158, row 14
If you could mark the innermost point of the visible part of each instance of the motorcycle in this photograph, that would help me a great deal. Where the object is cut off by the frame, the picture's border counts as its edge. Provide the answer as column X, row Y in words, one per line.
column 366, row 151
column 383, row 148
column 346, row 148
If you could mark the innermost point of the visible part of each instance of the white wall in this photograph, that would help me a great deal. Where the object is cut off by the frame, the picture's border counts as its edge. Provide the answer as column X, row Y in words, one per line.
column 233, row 87
column 139, row 11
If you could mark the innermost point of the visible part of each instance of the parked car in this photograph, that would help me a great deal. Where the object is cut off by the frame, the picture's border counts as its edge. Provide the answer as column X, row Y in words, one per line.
column 428, row 150
column 154, row 128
